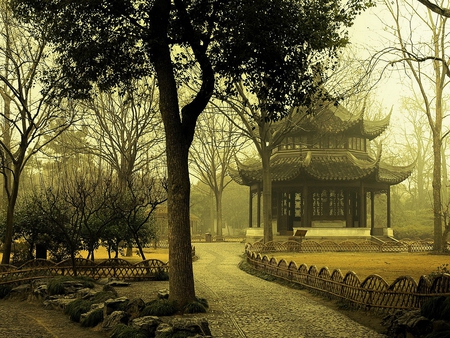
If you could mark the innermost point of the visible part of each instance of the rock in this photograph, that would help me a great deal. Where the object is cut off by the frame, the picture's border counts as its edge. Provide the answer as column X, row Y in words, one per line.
column 72, row 286
column 112, row 305
column 147, row 324
column 103, row 281
column 164, row 330
column 40, row 291
column 20, row 292
column 118, row 283
column 415, row 323
column 191, row 325
column 86, row 293
column 115, row 318
column 134, row 308
column 110, row 288
column 163, row 294
column 58, row 303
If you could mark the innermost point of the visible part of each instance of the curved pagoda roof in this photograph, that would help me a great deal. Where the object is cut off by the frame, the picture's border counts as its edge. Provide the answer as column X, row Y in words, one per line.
column 332, row 118
column 337, row 167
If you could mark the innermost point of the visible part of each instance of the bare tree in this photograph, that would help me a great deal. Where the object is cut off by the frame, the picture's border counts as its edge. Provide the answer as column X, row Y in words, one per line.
column 423, row 58
column 29, row 122
column 214, row 147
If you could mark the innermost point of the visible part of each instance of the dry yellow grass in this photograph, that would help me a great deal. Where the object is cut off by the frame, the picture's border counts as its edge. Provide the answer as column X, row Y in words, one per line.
column 161, row 254
column 387, row 265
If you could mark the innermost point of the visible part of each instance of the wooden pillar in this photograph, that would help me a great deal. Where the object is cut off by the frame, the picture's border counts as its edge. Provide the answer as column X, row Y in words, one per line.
column 362, row 207
column 258, row 207
column 250, row 210
column 305, row 207
column 388, row 207
column 372, row 212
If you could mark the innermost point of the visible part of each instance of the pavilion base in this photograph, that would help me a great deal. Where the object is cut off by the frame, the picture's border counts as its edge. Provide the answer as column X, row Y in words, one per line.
column 325, row 233
column 256, row 234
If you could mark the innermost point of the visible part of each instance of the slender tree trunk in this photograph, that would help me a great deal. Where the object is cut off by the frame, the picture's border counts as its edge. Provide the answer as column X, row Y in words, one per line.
column 9, row 231
column 218, row 195
column 267, row 195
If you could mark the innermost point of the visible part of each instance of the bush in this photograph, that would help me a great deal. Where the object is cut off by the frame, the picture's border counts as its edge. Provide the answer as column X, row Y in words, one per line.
column 195, row 307
column 162, row 275
column 5, row 290
column 159, row 307
column 436, row 308
column 76, row 308
column 93, row 319
column 439, row 271
column 55, row 286
column 125, row 331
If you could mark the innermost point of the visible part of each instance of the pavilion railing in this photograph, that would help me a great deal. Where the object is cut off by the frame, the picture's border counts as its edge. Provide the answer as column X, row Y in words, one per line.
column 373, row 293
column 344, row 246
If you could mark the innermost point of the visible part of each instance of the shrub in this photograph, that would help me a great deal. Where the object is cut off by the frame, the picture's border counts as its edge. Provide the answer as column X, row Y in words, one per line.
column 194, row 307
column 76, row 308
column 4, row 290
column 162, row 275
column 159, row 307
column 432, row 308
column 439, row 271
column 55, row 286
column 102, row 296
column 93, row 319
column 125, row 331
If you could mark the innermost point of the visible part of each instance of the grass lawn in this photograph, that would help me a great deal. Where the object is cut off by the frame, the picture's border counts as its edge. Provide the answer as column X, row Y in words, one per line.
column 150, row 253
column 387, row 265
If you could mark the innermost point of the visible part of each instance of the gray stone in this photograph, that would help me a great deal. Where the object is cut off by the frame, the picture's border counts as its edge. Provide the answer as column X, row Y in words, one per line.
column 191, row 325
column 86, row 293
column 164, row 330
column 58, row 303
column 112, row 305
column 134, row 308
column 146, row 324
column 118, row 283
column 115, row 318
column 20, row 291
column 40, row 291
column 163, row 294
column 110, row 288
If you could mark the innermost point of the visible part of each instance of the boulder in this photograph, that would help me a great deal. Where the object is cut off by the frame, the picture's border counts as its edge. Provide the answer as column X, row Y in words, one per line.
column 164, row 330
column 192, row 326
column 134, row 308
column 86, row 293
column 40, row 292
column 118, row 283
column 112, row 305
column 147, row 324
column 163, row 294
column 20, row 292
column 110, row 288
column 115, row 318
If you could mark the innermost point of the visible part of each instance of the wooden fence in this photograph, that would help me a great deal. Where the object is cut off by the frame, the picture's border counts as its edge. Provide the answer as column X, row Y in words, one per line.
column 149, row 269
column 373, row 293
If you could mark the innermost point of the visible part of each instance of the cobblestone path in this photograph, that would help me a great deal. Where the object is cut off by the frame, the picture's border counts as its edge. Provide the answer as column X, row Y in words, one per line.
column 251, row 307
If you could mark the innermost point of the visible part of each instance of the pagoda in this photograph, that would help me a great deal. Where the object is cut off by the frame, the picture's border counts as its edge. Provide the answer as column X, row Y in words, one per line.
column 325, row 178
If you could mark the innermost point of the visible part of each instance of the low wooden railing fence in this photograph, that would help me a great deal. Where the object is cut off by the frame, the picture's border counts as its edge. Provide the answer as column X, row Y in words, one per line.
column 373, row 293
column 149, row 269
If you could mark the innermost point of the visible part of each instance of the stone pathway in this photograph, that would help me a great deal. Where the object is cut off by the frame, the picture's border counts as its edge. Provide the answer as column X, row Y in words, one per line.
column 254, row 308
